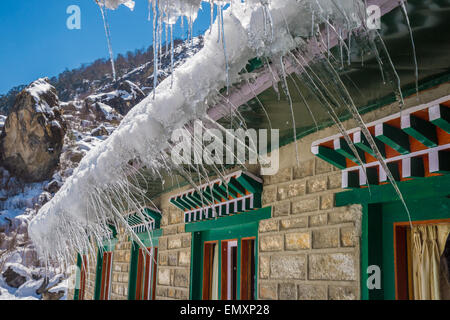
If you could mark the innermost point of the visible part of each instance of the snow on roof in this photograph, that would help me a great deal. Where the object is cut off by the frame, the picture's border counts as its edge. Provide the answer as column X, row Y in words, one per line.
column 143, row 134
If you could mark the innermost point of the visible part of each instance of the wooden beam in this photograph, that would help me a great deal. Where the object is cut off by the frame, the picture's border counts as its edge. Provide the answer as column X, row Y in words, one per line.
column 439, row 161
column 341, row 146
column 396, row 138
column 350, row 179
column 440, row 116
column 330, row 156
column 421, row 130
column 361, row 142
column 393, row 168
column 413, row 167
column 371, row 178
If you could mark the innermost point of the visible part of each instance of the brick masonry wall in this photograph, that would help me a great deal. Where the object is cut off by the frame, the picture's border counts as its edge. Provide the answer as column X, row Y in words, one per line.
column 174, row 254
column 120, row 267
column 309, row 249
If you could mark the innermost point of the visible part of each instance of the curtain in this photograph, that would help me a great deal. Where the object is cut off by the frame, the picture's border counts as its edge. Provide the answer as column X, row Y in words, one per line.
column 215, row 275
column 426, row 263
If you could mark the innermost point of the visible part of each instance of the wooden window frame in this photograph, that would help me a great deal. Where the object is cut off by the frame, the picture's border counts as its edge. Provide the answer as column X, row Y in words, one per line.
column 83, row 276
column 149, row 278
column 248, row 291
column 105, row 288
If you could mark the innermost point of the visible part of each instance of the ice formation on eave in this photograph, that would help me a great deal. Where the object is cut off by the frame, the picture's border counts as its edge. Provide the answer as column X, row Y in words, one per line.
column 87, row 202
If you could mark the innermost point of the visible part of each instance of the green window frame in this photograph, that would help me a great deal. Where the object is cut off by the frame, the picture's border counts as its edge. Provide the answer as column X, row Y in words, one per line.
column 77, row 291
column 426, row 198
column 237, row 227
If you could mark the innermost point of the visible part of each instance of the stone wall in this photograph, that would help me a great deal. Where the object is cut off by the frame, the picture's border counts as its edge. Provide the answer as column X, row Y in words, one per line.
column 309, row 249
column 120, row 267
column 174, row 254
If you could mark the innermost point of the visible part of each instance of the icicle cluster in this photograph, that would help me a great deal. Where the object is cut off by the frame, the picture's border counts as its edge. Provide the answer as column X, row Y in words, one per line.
column 289, row 35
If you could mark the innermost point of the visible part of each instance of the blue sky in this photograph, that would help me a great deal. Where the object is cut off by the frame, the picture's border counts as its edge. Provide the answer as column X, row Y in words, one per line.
column 35, row 42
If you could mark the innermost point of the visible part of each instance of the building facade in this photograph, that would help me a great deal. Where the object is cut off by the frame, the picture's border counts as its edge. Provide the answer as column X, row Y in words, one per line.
column 318, row 229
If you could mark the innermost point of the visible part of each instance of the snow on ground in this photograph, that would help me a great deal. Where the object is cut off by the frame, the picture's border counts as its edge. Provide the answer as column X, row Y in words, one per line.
column 246, row 30
column 2, row 121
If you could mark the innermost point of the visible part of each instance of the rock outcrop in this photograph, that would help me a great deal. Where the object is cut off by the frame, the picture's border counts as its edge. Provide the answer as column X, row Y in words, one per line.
column 125, row 96
column 13, row 279
column 33, row 135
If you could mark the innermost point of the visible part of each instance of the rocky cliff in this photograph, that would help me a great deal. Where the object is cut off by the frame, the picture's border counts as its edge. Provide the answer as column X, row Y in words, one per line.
column 33, row 134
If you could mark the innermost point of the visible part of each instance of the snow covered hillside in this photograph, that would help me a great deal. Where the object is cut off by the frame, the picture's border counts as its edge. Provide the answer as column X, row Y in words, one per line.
column 90, row 121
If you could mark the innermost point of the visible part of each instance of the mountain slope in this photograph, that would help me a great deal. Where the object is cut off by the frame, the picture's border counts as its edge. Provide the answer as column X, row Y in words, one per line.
column 91, row 114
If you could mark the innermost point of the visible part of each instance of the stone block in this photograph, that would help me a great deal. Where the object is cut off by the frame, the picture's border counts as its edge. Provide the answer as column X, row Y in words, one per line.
column 305, row 205
column 318, row 220
column 333, row 266
column 268, row 225
column 326, row 238
column 282, row 209
column 342, row 293
column 264, row 267
column 298, row 241
column 327, row 201
column 271, row 243
column 164, row 277
column 291, row 189
column 312, row 292
column 268, row 291
column 181, row 278
column 288, row 267
column 185, row 258
column 317, row 184
column 269, row 195
column 287, row 291
column 294, row 223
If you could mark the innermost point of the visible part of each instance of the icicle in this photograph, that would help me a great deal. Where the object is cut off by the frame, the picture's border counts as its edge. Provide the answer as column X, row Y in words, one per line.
column 349, row 62
column 341, row 50
column 288, row 94
column 171, row 56
column 108, row 36
column 155, row 48
column 225, row 49
column 398, row 91
column 328, row 36
column 166, row 38
column 416, row 72
column 211, row 4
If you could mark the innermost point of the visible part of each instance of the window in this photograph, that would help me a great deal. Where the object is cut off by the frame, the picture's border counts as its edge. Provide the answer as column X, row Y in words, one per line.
column 146, row 274
column 224, row 256
column 224, row 268
column 229, row 269
column 248, row 269
column 106, row 276
column 82, row 276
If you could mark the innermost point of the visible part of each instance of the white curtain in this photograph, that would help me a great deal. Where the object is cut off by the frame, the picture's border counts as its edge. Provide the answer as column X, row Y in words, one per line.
column 215, row 275
column 426, row 261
